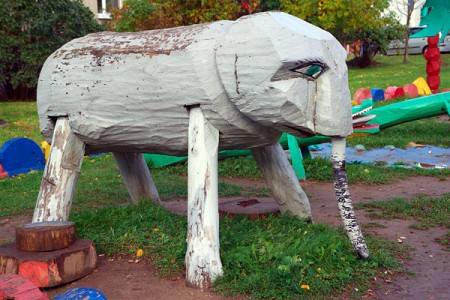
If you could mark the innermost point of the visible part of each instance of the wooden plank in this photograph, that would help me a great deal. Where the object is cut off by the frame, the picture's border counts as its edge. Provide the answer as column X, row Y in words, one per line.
column 45, row 236
column 282, row 181
column 136, row 176
column 60, row 175
column 17, row 287
column 203, row 263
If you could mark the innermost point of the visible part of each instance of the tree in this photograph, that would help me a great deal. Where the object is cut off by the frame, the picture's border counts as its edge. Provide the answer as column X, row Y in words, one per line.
column 351, row 22
column 30, row 31
column 406, row 8
column 270, row 5
column 137, row 15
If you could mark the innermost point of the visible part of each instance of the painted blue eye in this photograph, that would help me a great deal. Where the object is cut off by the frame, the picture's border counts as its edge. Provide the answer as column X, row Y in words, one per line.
column 312, row 71
column 309, row 70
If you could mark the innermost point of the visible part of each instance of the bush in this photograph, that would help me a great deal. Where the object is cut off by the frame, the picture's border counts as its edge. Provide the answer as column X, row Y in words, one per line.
column 30, row 32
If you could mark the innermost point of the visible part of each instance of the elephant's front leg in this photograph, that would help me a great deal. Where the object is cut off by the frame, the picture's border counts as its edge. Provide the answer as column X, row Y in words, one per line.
column 281, row 179
column 203, row 263
column 60, row 175
column 344, row 198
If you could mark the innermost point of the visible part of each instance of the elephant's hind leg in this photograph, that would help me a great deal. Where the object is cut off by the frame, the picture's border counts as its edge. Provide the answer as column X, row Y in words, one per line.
column 136, row 176
column 281, row 179
column 60, row 175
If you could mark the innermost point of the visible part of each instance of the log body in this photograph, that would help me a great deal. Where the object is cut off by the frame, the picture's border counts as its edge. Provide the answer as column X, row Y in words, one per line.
column 128, row 92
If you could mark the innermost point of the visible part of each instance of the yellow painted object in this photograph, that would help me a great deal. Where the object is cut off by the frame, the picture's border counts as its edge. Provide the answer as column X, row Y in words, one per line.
column 46, row 149
column 422, row 86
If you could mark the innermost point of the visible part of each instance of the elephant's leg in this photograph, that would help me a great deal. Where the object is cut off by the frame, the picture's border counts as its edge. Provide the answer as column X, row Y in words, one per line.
column 344, row 198
column 203, row 263
column 60, row 175
column 136, row 176
column 281, row 179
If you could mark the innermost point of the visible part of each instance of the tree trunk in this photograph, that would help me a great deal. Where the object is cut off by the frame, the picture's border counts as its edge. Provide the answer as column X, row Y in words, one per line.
column 344, row 198
column 60, row 175
column 283, row 182
column 45, row 236
column 136, row 176
column 203, row 263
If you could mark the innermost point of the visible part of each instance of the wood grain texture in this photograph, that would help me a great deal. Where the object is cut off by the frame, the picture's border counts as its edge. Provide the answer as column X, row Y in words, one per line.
column 344, row 199
column 51, row 268
column 60, row 175
column 45, row 236
column 127, row 92
column 13, row 286
column 282, row 181
column 136, row 176
column 203, row 263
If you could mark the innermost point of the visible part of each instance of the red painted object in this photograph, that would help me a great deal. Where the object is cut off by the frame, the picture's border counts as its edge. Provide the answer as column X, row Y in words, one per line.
column 13, row 286
column 411, row 90
column 432, row 55
column 394, row 92
column 3, row 174
column 362, row 94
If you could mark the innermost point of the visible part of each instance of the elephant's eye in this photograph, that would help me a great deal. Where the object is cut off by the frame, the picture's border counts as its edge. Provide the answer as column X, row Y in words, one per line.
column 310, row 70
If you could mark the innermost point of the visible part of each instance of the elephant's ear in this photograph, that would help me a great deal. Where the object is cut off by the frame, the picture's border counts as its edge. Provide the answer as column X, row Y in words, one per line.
column 246, row 56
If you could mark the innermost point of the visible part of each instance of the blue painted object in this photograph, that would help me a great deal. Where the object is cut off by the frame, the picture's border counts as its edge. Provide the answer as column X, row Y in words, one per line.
column 377, row 94
column 81, row 294
column 21, row 155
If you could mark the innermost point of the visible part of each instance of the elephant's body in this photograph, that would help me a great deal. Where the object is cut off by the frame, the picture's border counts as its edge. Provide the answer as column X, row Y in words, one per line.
column 195, row 90
column 129, row 91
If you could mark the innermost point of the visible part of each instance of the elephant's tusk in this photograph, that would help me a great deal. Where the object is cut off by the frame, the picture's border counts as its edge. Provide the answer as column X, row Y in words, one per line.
column 344, row 198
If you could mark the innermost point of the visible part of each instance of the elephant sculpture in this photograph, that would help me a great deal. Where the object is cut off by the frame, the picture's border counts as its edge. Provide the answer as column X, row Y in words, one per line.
column 196, row 90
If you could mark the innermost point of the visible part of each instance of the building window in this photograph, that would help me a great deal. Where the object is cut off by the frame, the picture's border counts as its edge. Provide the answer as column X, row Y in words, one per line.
column 105, row 5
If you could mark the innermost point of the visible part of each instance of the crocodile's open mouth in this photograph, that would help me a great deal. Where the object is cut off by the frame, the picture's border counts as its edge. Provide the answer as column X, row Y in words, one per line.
column 360, row 119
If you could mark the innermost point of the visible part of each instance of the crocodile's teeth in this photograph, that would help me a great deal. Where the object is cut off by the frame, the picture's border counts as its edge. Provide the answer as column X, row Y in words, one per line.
column 362, row 111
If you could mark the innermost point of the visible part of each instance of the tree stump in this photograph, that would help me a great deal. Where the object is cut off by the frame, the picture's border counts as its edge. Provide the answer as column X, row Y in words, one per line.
column 52, row 268
column 45, row 236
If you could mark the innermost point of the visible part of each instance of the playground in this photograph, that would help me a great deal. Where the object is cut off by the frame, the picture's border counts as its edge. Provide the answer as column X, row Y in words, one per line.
column 120, row 274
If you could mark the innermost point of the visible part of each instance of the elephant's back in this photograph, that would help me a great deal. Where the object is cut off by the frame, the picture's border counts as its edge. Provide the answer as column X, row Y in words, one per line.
column 120, row 89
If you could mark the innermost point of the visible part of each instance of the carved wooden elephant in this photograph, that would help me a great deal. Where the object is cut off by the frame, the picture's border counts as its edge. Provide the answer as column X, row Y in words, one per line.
column 196, row 90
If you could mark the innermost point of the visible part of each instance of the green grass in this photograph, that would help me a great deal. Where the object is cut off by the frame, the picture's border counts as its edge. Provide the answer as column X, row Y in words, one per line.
column 23, row 121
column 424, row 211
column 259, row 258
column 390, row 71
column 425, row 131
column 100, row 184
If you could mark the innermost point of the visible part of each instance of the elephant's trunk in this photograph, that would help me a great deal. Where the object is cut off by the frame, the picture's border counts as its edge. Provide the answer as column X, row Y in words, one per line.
column 344, row 198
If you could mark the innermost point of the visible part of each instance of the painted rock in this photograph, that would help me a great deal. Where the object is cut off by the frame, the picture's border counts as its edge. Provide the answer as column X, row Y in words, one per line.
column 21, row 155
column 411, row 90
column 377, row 94
column 362, row 94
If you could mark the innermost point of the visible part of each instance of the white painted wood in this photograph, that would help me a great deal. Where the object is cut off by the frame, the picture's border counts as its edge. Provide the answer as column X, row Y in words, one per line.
column 203, row 263
column 137, row 177
column 109, row 83
column 273, row 43
column 60, row 175
column 282, row 181
column 128, row 92
column 344, row 198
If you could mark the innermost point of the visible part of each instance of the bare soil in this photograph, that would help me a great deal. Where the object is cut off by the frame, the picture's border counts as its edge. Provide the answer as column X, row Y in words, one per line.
column 428, row 267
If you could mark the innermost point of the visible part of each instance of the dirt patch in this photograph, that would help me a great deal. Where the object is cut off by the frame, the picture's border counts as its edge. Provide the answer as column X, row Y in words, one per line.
column 429, row 263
